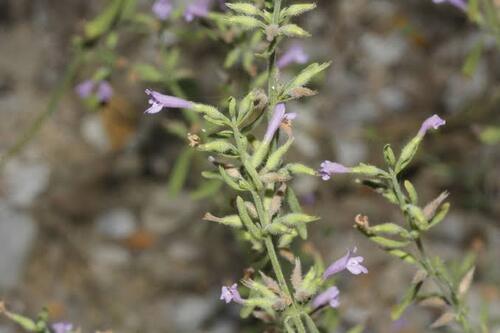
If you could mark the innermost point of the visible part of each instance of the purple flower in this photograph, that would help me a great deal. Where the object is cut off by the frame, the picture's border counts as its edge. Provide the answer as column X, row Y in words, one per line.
column 62, row 327
column 328, row 169
column 85, row 88
column 279, row 115
column 461, row 4
column 199, row 8
column 352, row 264
column 329, row 296
column 231, row 293
column 162, row 9
column 432, row 122
column 159, row 101
column 104, row 91
column 295, row 54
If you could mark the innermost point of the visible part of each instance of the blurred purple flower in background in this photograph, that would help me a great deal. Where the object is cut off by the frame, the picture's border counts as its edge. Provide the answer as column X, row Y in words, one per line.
column 279, row 115
column 104, row 91
column 198, row 8
column 294, row 54
column 352, row 264
column 162, row 9
column 87, row 87
column 329, row 296
column 62, row 327
column 328, row 169
column 432, row 122
column 462, row 4
column 159, row 101
column 231, row 294
column 84, row 89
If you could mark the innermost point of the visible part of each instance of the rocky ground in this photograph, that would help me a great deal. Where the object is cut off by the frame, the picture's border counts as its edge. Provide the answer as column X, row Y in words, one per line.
column 89, row 230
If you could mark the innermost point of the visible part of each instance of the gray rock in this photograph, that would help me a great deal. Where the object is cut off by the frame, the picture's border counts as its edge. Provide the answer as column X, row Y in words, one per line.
column 17, row 232
column 118, row 223
column 189, row 312
column 24, row 181
column 383, row 50
column 163, row 214
column 94, row 133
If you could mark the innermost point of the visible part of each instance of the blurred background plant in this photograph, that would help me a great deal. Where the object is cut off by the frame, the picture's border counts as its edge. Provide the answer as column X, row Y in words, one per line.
column 112, row 224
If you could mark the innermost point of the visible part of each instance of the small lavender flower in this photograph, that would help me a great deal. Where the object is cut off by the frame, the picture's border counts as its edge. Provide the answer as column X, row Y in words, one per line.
column 231, row 294
column 329, row 296
column 295, row 54
column 328, row 169
column 279, row 115
column 432, row 122
column 199, row 8
column 162, row 9
column 352, row 264
column 461, row 4
column 104, row 91
column 159, row 101
column 62, row 327
column 84, row 89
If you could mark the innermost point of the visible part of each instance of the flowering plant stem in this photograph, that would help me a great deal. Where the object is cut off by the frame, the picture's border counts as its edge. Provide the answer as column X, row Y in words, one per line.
column 425, row 262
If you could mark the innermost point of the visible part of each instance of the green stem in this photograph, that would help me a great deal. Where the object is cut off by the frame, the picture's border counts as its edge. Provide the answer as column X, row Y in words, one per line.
column 55, row 98
column 273, row 257
column 446, row 288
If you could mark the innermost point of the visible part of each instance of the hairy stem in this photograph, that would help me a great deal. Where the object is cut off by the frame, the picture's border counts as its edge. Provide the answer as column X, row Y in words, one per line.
column 273, row 257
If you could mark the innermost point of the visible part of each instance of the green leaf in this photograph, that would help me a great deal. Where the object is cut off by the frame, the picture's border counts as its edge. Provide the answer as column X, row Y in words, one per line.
column 391, row 229
column 293, row 30
column 305, row 76
column 232, row 57
column 297, row 9
column 245, row 22
column 411, row 191
column 294, row 205
column 180, row 171
column 472, row 59
column 389, row 156
column 293, row 218
column 389, row 243
column 244, row 8
column 275, row 158
column 103, row 23
column 440, row 215
column 407, row 153
column 148, row 73
column 206, row 189
column 409, row 297
column 357, row 329
column 405, row 256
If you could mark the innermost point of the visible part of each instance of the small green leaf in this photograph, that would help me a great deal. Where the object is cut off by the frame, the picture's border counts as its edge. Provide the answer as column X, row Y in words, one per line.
column 298, row 9
column 472, row 59
column 411, row 191
column 179, row 172
column 293, row 30
column 389, row 243
column 389, row 156
column 407, row 153
column 103, row 23
column 244, row 8
column 409, row 297
column 245, row 22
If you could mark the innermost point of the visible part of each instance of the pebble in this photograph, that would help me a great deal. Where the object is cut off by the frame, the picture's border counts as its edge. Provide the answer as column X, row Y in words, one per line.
column 118, row 223
column 191, row 311
column 164, row 214
column 17, row 233
column 94, row 133
column 25, row 181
